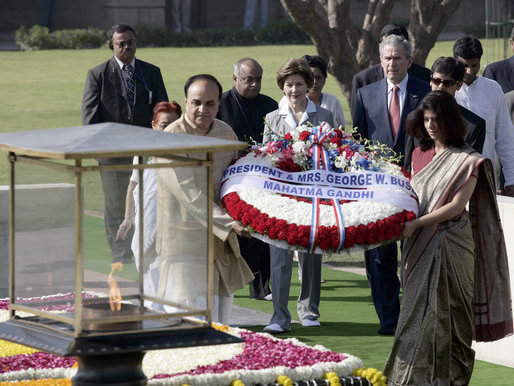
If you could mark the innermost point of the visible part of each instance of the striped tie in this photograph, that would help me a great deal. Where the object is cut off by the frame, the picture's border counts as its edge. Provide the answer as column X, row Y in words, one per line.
column 131, row 84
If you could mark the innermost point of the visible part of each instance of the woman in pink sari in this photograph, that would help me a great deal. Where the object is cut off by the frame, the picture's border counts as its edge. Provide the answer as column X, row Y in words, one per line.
column 454, row 268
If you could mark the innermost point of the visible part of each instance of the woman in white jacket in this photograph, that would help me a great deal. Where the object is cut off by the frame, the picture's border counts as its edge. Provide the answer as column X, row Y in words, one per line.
column 294, row 78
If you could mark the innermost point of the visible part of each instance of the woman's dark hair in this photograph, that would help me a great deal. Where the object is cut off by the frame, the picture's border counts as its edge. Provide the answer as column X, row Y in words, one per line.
column 295, row 66
column 449, row 120
column 317, row 61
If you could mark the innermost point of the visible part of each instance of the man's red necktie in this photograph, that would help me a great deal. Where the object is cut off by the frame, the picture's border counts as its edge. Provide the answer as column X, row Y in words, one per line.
column 394, row 111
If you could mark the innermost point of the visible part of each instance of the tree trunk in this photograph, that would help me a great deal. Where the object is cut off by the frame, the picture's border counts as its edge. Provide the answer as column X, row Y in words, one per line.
column 427, row 21
column 348, row 48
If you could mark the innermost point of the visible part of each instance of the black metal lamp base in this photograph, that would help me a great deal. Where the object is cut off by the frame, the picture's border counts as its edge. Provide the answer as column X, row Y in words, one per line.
column 124, row 369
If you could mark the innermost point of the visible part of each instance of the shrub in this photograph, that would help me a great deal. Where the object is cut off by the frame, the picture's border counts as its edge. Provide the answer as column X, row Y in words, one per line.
column 152, row 36
column 278, row 32
column 80, row 38
column 35, row 38
column 40, row 38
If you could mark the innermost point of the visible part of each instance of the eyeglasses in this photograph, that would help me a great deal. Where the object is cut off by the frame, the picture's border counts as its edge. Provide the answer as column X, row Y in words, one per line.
column 444, row 82
column 128, row 43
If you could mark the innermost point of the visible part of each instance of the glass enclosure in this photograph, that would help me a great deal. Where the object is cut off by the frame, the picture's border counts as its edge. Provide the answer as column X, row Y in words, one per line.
column 65, row 273
column 61, row 247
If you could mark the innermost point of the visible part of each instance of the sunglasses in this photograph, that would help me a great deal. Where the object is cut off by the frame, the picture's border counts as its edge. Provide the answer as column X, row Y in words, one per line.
column 128, row 43
column 444, row 82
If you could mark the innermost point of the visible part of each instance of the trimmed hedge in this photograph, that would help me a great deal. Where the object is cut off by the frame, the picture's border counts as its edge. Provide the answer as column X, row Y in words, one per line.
column 278, row 32
column 40, row 38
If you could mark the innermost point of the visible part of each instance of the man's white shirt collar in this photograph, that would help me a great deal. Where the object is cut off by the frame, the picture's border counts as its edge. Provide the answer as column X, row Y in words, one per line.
column 401, row 92
column 402, row 85
column 121, row 64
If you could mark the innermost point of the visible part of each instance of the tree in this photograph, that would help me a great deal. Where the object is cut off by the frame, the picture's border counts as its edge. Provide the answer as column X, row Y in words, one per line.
column 349, row 48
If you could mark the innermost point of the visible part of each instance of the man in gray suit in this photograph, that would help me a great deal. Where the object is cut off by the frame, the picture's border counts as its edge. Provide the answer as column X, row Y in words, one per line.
column 380, row 112
column 125, row 90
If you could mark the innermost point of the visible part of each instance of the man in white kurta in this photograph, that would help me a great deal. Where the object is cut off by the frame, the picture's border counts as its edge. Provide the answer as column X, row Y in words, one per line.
column 182, row 211
column 485, row 98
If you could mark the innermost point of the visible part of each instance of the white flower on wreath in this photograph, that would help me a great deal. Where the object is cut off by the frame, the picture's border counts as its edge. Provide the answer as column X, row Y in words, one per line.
column 341, row 162
column 331, row 146
column 355, row 159
column 300, row 148
column 387, row 167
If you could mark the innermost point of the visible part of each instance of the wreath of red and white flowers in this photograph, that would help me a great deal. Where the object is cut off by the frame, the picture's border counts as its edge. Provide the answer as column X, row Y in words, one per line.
column 319, row 189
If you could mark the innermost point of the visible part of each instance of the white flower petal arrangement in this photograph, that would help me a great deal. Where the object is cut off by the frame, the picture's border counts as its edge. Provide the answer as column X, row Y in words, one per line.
column 320, row 189
column 261, row 359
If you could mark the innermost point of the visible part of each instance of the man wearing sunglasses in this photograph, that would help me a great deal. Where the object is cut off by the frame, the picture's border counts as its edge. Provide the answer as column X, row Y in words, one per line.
column 125, row 90
column 448, row 75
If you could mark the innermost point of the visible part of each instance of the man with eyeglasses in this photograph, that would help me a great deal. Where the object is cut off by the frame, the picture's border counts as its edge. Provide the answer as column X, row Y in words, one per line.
column 244, row 108
column 125, row 90
column 485, row 98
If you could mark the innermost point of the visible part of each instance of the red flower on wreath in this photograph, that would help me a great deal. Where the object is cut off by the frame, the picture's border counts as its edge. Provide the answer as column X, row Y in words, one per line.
column 288, row 165
column 327, row 238
column 346, row 149
column 304, row 135
column 335, row 140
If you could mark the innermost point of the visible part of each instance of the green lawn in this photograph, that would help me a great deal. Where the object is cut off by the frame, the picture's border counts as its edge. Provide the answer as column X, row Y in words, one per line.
column 97, row 256
column 43, row 89
column 349, row 324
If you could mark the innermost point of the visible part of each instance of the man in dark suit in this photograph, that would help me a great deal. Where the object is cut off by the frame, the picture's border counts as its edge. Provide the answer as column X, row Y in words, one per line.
column 503, row 70
column 244, row 108
column 380, row 112
column 124, row 90
column 374, row 73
